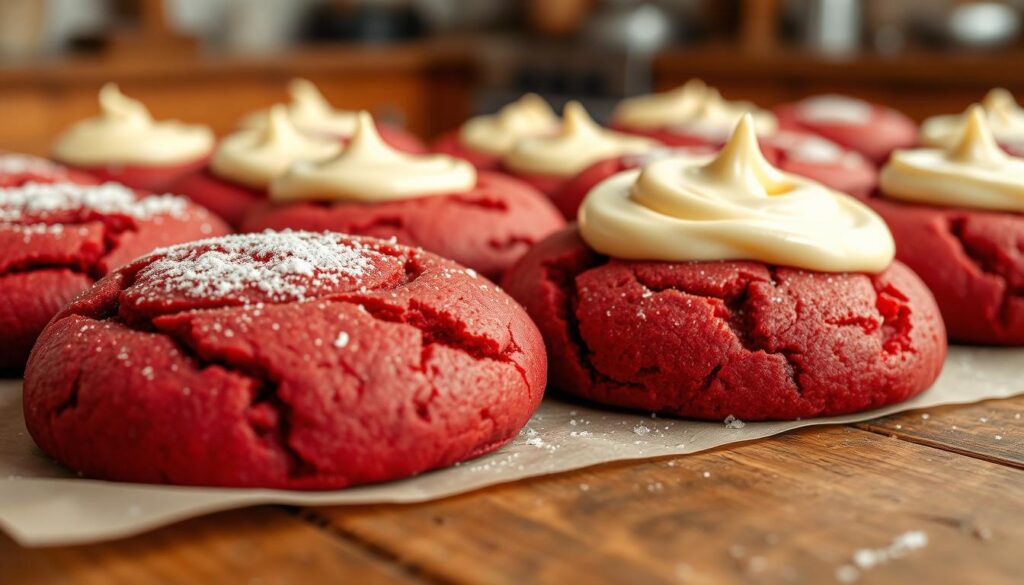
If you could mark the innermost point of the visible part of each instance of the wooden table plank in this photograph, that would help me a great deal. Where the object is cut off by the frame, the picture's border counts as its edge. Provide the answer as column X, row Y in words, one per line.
column 794, row 508
column 992, row 430
column 265, row 546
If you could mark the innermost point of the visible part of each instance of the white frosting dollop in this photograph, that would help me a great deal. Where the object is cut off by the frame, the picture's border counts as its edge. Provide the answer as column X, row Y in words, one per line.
column 1004, row 116
column 310, row 112
column 497, row 133
column 835, row 109
column 255, row 157
column 733, row 206
column 694, row 108
column 369, row 170
column 974, row 172
column 126, row 134
column 579, row 143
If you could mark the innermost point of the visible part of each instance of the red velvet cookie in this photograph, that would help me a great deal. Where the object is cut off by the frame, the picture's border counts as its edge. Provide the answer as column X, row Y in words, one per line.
column 820, row 159
column 569, row 197
column 154, row 179
column 18, row 169
column 711, row 339
column 125, row 144
column 230, row 201
column 486, row 229
column 56, row 240
column 283, row 360
column 870, row 129
column 972, row 261
column 399, row 139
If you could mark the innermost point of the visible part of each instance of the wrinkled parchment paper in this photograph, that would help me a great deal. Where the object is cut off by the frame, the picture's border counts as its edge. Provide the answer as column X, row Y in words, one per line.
column 42, row 504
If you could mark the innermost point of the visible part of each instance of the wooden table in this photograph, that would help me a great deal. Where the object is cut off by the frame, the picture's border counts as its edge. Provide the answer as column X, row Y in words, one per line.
column 790, row 509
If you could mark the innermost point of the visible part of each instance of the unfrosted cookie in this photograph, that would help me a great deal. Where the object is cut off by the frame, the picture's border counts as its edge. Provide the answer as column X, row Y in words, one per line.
column 57, row 239
column 285, row 360
column 18, row 169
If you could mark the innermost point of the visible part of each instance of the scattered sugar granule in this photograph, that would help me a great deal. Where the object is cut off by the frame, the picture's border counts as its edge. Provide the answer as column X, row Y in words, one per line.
column 707, row 474
column 868, row 558
column 925, row 416
column 584, row 487
column 535, row 442
column 342, row 340
column 641, row 430
column 731, row 422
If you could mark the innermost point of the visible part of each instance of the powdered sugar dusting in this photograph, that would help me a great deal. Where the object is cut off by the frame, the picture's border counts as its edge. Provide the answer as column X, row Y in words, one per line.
column 281, row 265
column 37, row 200
column 13, row 164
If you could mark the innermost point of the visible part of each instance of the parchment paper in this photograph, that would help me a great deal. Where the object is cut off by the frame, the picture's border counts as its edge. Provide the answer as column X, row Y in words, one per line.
column 42, row 504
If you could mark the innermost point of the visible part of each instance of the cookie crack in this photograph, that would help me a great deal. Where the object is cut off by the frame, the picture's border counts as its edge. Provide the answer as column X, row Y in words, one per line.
column 71, row 401
column 956, row 227
column 565, row 281
column 438, row 329
column 269, row 415
column 734, row 313
column 87, row 263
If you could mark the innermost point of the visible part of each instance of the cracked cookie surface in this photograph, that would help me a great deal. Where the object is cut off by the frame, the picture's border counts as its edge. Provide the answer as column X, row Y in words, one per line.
column 289, row 360
column 57, row 239
column 712, row 339
column 972, row 260
column 486, row 229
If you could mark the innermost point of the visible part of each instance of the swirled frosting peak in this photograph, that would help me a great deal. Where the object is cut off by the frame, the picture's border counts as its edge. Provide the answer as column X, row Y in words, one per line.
column 1005, row 118
column 579, row 143
column 310, row 112
column 255, row 157
column 973, row 172
column 733, row 205
column 369, row 170
column 693, row 107
column 126, row 133
column 528, row 116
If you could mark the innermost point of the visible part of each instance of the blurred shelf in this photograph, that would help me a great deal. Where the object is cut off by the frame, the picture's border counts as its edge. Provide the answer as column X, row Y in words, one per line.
column 425, row 85
column 922, row 84
column 332, row 58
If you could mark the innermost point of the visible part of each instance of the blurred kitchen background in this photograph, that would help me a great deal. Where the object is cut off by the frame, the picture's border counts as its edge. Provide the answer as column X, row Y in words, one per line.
column 431, row 63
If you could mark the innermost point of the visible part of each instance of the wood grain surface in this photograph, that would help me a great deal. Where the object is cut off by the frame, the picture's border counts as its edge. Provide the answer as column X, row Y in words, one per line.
column 798, row 508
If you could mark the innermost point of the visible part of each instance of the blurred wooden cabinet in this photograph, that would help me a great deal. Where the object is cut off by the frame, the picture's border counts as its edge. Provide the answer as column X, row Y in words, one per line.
column 921, row 84
column 425, row 86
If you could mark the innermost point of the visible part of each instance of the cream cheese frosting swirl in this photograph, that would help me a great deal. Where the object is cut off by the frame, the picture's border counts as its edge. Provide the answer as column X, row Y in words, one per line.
column 733, row 206
column 497, row 133
column 693, row 107
column 974, row 172
column 255, row 157
column 368, row 170
column 309, row 111
column 580, row 143
column 126, row 134
column 1005, row 118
